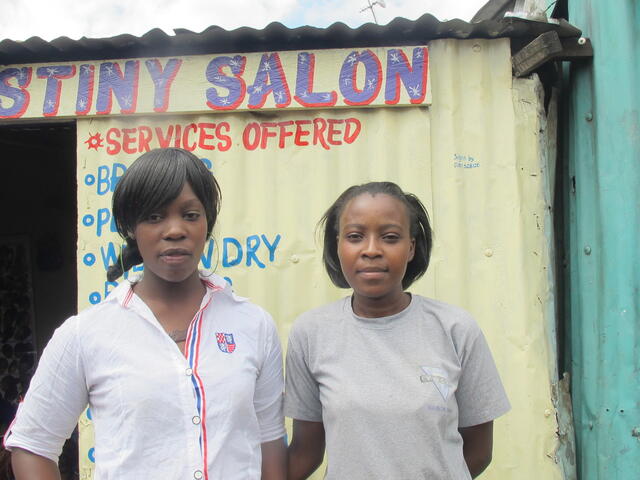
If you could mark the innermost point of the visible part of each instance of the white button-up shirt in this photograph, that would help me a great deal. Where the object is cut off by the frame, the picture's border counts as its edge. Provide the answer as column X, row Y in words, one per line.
column 160, row 413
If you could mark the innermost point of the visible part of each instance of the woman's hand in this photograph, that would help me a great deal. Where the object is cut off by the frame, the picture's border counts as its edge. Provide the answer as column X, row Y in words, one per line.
column 274, row 460
column 477, row 447
column 306, row 450
column 29, row 466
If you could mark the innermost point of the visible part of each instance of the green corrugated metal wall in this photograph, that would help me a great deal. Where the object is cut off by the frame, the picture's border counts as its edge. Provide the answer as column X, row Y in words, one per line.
column 602, row 190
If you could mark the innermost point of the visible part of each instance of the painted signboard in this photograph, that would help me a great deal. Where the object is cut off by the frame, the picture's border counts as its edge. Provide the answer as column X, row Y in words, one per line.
column 217, row 83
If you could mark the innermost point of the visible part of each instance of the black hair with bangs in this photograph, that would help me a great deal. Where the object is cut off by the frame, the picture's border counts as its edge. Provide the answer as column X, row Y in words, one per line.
column 420, row 230
column 154, row 180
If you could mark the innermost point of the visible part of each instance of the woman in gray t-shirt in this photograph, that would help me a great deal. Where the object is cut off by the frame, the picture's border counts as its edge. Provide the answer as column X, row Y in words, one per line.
column 397, row 386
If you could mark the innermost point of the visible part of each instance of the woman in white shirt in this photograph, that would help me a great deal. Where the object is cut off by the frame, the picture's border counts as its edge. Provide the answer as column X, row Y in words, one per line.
column 183, row 377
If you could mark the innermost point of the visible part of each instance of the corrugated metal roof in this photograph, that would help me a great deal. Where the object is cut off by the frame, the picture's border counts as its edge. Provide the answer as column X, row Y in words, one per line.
column 274, row 36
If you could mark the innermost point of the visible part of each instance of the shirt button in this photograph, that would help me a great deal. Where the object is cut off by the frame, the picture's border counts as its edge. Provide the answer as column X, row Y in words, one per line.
column 188, row 372
column 196, row 420
column 197, row 474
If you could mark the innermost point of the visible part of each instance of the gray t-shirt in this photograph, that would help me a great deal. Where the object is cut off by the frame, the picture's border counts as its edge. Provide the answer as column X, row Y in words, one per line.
column 392, row 391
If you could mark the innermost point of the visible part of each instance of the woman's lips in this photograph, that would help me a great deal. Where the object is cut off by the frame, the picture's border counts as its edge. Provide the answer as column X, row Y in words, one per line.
column 175, row 255
column 372, row 272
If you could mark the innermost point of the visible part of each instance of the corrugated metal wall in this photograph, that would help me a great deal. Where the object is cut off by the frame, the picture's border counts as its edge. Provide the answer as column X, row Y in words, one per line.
column 476, row 156
column 603, row 194
column 494, row 237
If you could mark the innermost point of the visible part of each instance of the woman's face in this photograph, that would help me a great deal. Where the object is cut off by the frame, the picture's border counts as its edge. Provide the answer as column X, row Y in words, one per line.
column 375, row 245
column 172, row 239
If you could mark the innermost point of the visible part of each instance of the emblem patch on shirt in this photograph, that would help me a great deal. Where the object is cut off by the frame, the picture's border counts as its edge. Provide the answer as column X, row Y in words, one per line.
column 438, row 378
column 226, row 343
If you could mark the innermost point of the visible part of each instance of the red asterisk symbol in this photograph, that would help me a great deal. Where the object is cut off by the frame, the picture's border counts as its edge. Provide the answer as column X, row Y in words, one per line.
column 94, row 141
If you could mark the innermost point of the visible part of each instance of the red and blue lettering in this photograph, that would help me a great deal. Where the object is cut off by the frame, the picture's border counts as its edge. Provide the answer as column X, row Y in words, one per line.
column 162, row 80
column 413, row 77
column 305, row 95
column 235, row 85
column 84, row 99
column 54, row 74
column 349, row 81
column 270, row 79
column 19, row 95
column 123, row 85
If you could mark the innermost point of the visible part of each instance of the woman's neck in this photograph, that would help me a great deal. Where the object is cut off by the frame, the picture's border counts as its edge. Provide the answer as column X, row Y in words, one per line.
column 379, row 307
column 154, row 289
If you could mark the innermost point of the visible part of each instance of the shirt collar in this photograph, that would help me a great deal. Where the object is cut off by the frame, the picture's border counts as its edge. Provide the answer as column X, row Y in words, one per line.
column 215, row 283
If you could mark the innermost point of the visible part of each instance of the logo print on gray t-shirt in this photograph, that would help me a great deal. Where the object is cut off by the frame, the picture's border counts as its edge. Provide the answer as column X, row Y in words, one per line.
column 438, row 378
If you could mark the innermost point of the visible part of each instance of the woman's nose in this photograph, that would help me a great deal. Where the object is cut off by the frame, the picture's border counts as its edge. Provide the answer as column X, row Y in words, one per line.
column 371, row 247
column 174, row 228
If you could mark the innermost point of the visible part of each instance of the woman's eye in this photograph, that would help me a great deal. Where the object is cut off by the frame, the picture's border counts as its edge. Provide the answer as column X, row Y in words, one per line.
column 353, row 236
column 391, row 238
column 192, row 216
column 154, row 217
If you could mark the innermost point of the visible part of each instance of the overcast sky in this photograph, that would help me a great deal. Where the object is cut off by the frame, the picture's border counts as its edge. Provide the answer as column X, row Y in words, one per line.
column 49, row 19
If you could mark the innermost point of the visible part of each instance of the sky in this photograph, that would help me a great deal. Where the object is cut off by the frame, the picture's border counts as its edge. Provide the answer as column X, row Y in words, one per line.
column 49, row 19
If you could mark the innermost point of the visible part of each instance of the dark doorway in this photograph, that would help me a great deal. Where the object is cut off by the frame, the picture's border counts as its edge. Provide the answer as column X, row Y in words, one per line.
column 38, row 238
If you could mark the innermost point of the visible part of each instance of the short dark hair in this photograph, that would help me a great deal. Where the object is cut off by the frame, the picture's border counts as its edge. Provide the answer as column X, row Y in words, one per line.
column 420, row 230
column 154, row 180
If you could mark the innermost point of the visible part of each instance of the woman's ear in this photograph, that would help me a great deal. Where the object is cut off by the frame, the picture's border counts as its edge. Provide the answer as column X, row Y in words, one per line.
column 412, row 249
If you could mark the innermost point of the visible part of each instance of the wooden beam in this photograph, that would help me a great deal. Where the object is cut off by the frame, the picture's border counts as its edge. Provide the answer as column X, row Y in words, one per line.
column 549, row 47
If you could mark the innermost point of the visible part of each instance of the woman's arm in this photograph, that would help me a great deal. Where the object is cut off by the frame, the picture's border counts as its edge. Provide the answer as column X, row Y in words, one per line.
column 57, row 395
column 29, row 466
column 477, row 447
column 306, row 450
column 274, row 460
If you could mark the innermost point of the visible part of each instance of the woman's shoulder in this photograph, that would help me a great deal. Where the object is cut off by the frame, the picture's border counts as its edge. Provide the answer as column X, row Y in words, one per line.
column 94, row 319
column 331, row 309
column 229, row 304
column 113, row 300
column 82, row 327
column 100, row 320
column 322, row 316
column 451, row 317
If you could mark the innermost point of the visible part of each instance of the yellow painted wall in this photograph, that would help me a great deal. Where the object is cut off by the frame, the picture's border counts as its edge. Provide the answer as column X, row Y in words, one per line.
column 473, row 156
